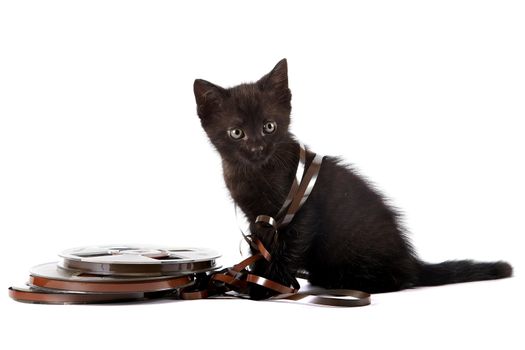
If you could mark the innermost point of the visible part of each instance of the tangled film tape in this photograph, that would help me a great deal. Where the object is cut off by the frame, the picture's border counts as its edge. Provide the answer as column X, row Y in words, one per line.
column 121, row 273
column 100, row 274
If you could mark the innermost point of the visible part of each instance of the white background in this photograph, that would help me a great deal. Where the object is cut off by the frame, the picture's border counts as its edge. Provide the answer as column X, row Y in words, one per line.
column 100, row 143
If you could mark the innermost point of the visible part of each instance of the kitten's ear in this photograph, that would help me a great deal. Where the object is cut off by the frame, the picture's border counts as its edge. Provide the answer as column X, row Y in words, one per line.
column 276, row 82
column 277, row 79
column 208, row 96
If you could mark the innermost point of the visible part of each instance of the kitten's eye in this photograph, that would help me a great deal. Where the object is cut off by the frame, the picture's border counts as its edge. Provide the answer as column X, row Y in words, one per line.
column 269, row 127
column 236, row 133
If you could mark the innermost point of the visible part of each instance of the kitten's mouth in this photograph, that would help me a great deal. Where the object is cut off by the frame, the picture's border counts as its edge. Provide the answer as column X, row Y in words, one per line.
column 257, row 159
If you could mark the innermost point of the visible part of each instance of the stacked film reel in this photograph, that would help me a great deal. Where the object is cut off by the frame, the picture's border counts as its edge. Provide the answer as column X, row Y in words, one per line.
column 116, row 273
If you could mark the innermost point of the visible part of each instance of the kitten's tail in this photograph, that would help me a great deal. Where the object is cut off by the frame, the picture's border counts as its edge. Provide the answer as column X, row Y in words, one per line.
column 456, row 271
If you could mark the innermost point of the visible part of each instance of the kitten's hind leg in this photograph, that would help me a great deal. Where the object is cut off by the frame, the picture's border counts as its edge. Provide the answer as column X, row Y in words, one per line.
column 377, row 281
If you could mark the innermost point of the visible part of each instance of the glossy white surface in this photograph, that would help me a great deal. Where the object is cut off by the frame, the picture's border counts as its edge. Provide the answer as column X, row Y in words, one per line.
column 100, row 143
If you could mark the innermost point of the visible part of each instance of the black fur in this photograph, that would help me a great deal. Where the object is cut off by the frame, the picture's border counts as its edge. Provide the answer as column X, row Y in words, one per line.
column 345, row 236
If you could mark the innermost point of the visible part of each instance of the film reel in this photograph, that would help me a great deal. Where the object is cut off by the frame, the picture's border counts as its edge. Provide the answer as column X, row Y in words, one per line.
column 43, row 296
column 116, row 273
column 51, row 276
column 128, row 260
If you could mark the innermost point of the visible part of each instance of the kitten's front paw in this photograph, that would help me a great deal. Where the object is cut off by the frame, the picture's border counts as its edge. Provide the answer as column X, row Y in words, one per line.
column 260, row 293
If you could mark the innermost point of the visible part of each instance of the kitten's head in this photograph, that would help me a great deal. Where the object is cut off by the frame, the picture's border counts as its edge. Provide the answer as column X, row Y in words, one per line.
column 246, row 122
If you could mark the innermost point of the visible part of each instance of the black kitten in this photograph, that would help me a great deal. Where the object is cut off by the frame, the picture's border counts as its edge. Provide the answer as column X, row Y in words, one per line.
column 345, row 235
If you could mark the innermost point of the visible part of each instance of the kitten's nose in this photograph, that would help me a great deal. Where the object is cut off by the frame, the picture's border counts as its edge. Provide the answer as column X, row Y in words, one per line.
column 257, row 149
